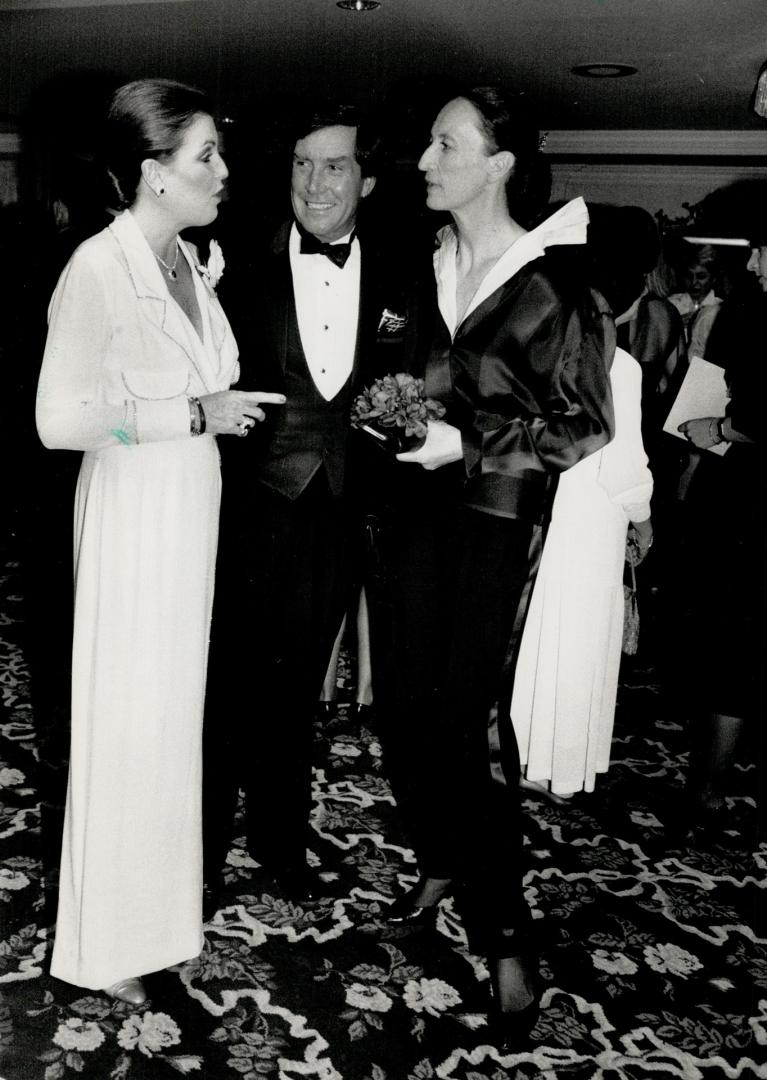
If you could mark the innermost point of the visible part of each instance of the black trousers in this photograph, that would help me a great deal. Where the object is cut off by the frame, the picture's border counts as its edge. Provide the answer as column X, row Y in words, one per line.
column 446, row 617
column 281, row 590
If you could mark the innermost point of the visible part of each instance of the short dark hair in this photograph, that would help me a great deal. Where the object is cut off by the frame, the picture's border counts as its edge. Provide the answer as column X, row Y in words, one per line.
column 368, row 144
column 147, row 119
column 508, row 123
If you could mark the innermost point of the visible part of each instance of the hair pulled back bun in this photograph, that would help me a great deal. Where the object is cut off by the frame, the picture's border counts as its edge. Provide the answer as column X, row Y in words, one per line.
column 147, row 119
column 507, row 123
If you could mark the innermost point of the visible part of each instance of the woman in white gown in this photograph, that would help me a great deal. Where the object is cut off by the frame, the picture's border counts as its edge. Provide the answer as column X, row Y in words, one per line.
column 136, row 372
column 566, row 680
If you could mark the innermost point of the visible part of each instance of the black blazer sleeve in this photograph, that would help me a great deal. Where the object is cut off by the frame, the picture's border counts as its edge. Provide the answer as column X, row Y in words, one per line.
column 527, row 382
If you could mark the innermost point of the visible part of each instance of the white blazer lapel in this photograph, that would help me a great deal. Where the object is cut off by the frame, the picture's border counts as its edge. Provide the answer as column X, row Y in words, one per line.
column 153, row 295
column 219, row 340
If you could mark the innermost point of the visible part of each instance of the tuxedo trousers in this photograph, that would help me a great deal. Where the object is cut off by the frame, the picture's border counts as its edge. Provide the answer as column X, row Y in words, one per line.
column 281, row 590
column 446, row 619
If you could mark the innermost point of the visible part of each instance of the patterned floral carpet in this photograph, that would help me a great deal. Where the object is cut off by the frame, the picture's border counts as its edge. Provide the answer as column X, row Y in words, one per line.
column 654, row 955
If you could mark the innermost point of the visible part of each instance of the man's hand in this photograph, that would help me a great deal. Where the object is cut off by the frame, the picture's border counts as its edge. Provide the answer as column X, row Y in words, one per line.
column 701, row 432
column 443, row 445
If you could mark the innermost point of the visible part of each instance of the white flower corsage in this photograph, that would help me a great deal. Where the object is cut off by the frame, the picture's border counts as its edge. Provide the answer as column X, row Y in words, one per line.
column 212, row 271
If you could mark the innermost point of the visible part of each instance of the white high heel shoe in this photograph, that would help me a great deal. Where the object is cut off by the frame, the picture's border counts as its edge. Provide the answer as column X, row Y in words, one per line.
column 131, row 991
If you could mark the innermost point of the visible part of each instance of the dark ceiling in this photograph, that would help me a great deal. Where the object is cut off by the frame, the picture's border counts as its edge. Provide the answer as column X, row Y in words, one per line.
column 696, row 60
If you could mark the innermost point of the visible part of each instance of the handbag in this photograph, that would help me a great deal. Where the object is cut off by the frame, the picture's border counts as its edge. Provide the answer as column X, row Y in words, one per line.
column 630, row 614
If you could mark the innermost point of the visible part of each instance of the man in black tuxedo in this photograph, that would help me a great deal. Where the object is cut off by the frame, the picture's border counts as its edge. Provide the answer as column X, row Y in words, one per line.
column 309, row 318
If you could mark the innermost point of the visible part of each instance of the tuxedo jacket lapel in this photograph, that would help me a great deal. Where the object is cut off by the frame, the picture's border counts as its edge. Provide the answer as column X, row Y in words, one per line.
column 282, row 295
column 370, row 307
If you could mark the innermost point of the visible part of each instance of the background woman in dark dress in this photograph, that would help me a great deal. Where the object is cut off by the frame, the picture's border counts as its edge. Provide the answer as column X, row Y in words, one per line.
column 519, row 356
column 723, row 558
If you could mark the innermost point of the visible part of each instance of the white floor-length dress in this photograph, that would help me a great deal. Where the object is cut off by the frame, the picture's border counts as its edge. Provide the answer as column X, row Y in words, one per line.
column 566, row 681
column 120, row 363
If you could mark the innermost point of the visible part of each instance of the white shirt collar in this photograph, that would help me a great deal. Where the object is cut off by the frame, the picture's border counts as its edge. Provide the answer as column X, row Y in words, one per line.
column 566, row 226
column 327, row 309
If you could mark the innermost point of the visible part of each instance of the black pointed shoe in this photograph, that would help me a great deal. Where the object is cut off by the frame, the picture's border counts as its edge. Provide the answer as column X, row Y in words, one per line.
column 510, row 1031
column 403, row 912
column 510, row 1028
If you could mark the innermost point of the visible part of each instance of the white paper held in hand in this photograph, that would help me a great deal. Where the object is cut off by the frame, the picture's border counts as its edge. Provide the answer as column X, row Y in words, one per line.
column 703, row 393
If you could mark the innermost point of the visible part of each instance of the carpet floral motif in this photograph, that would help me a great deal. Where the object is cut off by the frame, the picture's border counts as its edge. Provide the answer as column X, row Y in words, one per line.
column 653, row 953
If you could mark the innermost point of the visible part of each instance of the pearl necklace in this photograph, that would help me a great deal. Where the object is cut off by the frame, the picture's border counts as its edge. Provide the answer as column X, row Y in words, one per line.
column 170, row 270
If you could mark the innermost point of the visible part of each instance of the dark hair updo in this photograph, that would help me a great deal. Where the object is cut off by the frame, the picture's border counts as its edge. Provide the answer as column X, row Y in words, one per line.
column 147, row 119
column 507, row 123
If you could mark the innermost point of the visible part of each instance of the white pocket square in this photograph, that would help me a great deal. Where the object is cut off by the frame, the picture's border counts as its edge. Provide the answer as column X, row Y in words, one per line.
column 390, row 322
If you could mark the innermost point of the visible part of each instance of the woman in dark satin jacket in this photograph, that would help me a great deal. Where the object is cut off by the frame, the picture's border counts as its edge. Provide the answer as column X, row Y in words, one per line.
column 519, row 356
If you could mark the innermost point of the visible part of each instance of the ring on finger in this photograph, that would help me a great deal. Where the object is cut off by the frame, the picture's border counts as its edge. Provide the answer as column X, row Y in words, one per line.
column 244, row 427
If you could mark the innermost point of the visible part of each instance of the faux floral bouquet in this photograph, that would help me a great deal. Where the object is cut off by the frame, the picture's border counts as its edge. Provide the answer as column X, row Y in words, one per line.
column 394, row 411
column 213, row 270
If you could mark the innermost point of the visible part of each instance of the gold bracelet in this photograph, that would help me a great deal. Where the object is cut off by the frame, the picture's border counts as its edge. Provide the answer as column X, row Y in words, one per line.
column 195, row 420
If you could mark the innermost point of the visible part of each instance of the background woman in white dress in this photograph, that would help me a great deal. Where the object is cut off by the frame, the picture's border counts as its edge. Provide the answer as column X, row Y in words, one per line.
column 566, row 680
column 136, row 371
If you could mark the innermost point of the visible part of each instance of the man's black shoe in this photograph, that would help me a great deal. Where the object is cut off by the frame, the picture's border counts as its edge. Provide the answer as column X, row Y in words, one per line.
column 299, row 883
column 211, row 901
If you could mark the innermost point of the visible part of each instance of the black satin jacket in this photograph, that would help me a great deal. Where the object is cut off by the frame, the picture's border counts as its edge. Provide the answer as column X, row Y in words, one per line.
column 526, row 380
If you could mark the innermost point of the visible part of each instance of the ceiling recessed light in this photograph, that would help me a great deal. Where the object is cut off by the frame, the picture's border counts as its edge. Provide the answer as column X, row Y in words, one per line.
column 358, row 5
column 603, row 71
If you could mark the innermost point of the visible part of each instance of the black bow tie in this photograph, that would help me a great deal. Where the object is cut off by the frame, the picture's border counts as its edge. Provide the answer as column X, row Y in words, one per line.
column 337, row 253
